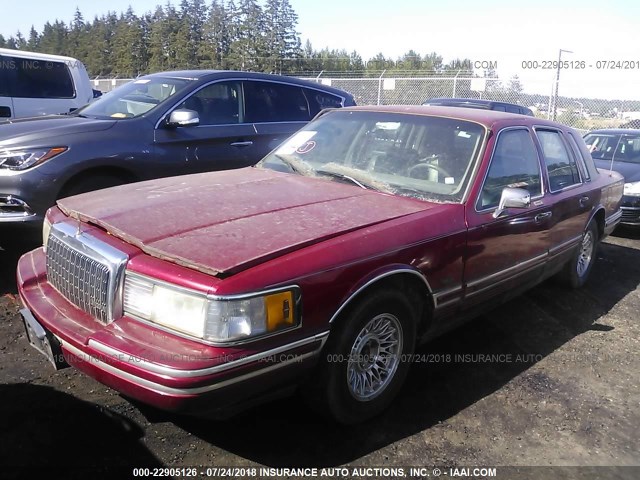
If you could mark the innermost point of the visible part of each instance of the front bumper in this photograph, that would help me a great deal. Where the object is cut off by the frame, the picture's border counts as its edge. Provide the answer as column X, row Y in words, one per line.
column 630, row 210
column 25, row 195
column 14, row 209
column 155, row 367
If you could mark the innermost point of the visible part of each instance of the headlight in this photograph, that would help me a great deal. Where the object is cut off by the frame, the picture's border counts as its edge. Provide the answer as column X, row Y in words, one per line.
column 21, row 159
column 211, row 319
column 632, row 189
column 46, row 229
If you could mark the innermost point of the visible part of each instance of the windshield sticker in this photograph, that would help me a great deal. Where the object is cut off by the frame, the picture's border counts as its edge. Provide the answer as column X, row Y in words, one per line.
column 299, row 140
column 306, row 148
column 142, row 81
column 388, row 125
column 449, row 180
column 464, row 135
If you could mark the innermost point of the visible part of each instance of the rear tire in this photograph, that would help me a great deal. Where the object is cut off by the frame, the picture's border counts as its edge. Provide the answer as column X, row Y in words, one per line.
column 366, row 359
column 577, row 270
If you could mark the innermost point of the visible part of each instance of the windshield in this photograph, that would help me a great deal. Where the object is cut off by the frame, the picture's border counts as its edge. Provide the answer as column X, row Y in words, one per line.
column 621, row 148
column 426, row 157
column 134, row 98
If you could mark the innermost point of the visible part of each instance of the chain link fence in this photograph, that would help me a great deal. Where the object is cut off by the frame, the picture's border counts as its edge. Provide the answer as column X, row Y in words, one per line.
column 583, row 114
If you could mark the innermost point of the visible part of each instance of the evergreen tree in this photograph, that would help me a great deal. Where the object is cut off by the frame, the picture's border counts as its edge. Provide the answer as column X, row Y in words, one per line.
column 77, row 37
column 216, row 43
column 248, row 50
column 33, row 44
column 129, row 45
column 54, row 38
column 3, row 42
column 21, row 43
column 282, row 40
column 190, row 34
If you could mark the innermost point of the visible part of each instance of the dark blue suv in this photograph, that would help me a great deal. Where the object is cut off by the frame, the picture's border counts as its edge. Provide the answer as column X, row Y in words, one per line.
column 158, row 125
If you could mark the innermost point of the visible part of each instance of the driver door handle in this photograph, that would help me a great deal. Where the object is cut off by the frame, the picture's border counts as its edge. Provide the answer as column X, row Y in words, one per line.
column 539, row 218
column 242, row 144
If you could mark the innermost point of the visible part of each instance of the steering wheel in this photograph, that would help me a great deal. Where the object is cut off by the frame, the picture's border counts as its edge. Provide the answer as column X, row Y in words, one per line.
column 418, row 166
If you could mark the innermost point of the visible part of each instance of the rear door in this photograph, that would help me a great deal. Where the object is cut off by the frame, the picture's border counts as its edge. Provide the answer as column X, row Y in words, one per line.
column 569, row 193
column 276, row 110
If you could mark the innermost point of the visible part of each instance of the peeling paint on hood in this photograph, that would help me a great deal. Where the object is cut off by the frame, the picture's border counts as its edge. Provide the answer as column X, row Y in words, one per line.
column 225, row 222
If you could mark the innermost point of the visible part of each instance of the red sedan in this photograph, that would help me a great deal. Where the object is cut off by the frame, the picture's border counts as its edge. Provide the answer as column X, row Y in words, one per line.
column 370, row 230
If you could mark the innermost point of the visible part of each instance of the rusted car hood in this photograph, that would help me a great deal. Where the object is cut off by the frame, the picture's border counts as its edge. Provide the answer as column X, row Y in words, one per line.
column 225, row 222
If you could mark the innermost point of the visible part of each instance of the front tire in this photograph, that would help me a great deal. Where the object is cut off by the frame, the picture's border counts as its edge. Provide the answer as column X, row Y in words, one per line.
column 366, row 358
column 577, row 270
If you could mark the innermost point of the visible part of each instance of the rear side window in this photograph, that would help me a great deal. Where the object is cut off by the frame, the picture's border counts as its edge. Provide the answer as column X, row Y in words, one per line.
column 40, row 79
column 578, row 154
column 7, row 66
column 514, row 164
column 561, row 167
column 274, row 102
column 586, row 156
column 320, row 100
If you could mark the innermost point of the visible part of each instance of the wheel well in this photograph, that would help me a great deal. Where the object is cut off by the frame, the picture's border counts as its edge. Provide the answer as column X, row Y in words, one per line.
column 599, row 218
column 113, row 172
column 411, row 285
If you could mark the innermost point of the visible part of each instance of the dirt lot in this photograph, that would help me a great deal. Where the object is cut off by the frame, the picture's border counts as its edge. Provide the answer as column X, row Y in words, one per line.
column 550, row 379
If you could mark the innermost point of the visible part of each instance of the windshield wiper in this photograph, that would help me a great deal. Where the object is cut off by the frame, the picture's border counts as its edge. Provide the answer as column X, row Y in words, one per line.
column 298, row 166
column 343, row 176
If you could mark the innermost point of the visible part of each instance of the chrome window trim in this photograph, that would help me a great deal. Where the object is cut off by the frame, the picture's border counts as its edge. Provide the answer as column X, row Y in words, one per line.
column 374, row 280
column 203, row 372
column 100, row 252
column 163, row 389
column 241, row 296
column 564, row 142
column 486, row 174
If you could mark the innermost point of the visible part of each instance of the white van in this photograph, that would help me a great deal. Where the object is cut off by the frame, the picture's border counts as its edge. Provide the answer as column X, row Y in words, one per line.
column 33, row 84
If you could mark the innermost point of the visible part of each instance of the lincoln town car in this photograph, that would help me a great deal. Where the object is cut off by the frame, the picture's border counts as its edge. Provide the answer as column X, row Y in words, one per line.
column 369, row 231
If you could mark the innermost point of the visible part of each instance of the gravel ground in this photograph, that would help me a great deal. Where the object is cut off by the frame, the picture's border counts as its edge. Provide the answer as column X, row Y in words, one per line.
column 549, row 379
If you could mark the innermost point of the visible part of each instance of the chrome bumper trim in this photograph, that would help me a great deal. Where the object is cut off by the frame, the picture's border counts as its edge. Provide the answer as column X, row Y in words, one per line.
column 9, row 201
column 613, row 218
column 178, row 373
column 163, row 389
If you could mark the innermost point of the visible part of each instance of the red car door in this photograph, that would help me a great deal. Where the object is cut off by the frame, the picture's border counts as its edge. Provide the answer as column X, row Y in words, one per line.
column 570, row 196
column 511, row 250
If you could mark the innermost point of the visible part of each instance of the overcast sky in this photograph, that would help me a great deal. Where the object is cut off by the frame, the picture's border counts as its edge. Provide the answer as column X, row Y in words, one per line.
column 502, row 31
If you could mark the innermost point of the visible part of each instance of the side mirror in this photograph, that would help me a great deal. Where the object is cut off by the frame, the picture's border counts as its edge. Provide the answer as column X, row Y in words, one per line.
column 512, row 198
column 183, row 118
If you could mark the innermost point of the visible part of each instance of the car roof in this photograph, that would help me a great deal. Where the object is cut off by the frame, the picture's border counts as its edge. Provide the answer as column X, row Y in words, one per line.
column 617, row 131
column 35, row 55
column 478, row 115
column 231, row 74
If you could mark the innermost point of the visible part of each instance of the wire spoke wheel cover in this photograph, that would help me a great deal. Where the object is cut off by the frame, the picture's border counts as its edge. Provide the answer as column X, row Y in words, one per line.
column 586, row 253
column 374, row 357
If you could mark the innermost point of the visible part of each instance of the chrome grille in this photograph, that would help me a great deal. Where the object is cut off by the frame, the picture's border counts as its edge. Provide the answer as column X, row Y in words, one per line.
column 630, row 215
column 86, row 271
